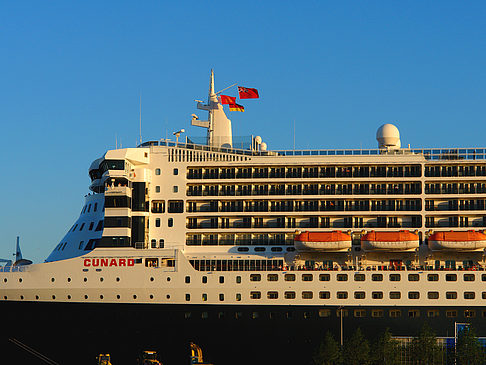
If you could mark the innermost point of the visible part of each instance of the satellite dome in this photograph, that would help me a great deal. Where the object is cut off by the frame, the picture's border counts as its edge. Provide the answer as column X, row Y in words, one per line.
column 388, row 136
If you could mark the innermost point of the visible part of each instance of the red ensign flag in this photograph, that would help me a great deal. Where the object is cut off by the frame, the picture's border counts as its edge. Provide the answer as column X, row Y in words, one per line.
column 247, row 93
column 225, row 99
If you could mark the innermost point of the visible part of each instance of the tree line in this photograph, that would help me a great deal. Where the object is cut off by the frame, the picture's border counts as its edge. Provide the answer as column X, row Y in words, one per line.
column 385, row 350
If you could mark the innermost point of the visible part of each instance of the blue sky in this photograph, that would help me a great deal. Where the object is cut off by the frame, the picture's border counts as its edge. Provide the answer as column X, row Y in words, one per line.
column 71, row 74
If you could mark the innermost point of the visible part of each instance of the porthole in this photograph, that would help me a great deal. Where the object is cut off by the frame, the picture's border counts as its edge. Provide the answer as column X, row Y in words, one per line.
column 85, row 279
column 53, row 280
column 168, row 278
column 168, row 296
column 20, row 280
column 22, row 297
column 151, row 296
column 69, row 297
column 5, row 280
column 134, row 296
column 152, row 279
column 37, row 297
column 5, row 297
column 53, row 297
column 101, row 296
column 117, row 279
column 68, row 280
column 101, row 279
column 118, row 297
column 85, row 297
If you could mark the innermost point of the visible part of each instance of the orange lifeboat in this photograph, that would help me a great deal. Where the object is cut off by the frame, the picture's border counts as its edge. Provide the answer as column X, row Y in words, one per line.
column 334, row 241
column 459, row 241
column 389, row 241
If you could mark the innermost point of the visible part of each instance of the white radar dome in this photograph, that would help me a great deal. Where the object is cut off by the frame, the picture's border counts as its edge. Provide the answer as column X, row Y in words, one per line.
column 258, row 139
column 388, row 136
column 263, row 146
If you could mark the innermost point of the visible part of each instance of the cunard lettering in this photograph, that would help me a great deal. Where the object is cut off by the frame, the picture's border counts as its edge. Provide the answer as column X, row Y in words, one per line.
column 108, row 262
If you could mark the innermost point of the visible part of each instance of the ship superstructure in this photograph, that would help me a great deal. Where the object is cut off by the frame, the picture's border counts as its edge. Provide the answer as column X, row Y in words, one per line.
column 199, row 234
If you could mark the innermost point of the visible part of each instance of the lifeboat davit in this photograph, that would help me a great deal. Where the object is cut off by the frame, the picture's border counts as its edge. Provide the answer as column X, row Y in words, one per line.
column 390, row 241
column 334, row 241
column 458, row 241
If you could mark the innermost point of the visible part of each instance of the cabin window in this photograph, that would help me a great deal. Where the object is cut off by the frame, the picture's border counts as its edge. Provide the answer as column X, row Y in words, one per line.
column 289, row 295
column 176, row 206
column 289, row 277
column 175, row 189
column 170, row 222
column 395, row 277
column 324, row 277
column 324, row 295
column 413, row 277
column 342, row 295
column 342, row 277
column 157, row 189
column 157, row 171
column 188, row 297
column 238, row 297
column 359, row 295
column 272, row 277
column 238, row 280
column 377, row 313
column 221, row 297
column 414, row 313
column 324, row 313
column 359, row 277
column 469, row 295
column 161, row 243
column 204, row 279
column 433, row 277
column 359, row 313
column 221, row 279
column 451, row 314
column 377, row 295
column 272, row 295
column 469, row 277
column 469, row 313
column 307, row 277
column 187, row 279
column 433, row 295
column 255, row 277
column 153, row 243
column 152, row 262
column 255, row 295
column 176, row 171
column 395, row 295
column 377, row 277
column 395, row 313
column 451, row 295
column 204, row 297
column 451, row 277
column 413, row 295
column 433, row 313
column 307, row 295
column 82, row 226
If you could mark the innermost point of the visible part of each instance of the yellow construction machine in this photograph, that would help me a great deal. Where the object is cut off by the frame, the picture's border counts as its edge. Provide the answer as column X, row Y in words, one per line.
column 103, row 359
column 196, row 355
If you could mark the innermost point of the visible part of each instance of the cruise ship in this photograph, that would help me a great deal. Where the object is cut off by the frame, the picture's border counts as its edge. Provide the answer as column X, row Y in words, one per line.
column 256, row 253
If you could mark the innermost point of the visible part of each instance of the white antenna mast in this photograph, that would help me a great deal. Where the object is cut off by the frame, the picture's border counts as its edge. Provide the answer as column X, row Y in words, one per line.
column 140, row 117
column 116, row 142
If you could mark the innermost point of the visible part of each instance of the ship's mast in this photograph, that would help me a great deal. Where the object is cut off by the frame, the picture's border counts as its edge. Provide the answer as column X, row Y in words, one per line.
column 218, row 125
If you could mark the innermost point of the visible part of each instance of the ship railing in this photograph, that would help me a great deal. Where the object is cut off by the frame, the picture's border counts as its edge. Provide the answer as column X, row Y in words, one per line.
column 13, row 268
column 439, row 154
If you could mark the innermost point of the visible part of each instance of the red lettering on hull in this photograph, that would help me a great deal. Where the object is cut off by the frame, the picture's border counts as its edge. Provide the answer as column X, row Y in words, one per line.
column 108, row 262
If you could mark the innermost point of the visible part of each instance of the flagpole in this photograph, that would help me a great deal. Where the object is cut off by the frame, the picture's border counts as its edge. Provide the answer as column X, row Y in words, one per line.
column 226, row 88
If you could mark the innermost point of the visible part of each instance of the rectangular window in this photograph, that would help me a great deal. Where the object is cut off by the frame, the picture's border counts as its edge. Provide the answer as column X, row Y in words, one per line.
column 221, row 297
column 175, row 189
column 238, row 297
column 176, row 171
column 433, row 295
column 170, row 222
column 359, row 313
column 157, row 222
column 324, row 277
column 395, row 295
column 451, row 313
column 359, row 295
column 255, row 295
column 204, row 297
column 469, row 277
column 414, row 313
column 176, row 206
column 377, row 277
column 433, row 313
column 451, row 295
column 469, row 313
column 395, row 313
column 221, row 279
column 413, row 295
column 272, row 277
column 342, row 295
column 395, row 277
column 342, row 277
column 307, row 277
column 432, row 277
column 359, row 277
column 188, row 297
column 187, row 279
column 157, row 189
column 377, row 313
column 413, row 277
column 469, row 295
column 451, row 277
column 307, row 295
column 204, row 279
column 323, row 313
column 377, row 295
column 272, row 295
column 324, row 295
column 289, row 277
column 289, row 295
column 255, row 277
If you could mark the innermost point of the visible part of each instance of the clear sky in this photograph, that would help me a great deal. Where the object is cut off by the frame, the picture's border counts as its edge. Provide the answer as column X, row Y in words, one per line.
column 71, row 75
